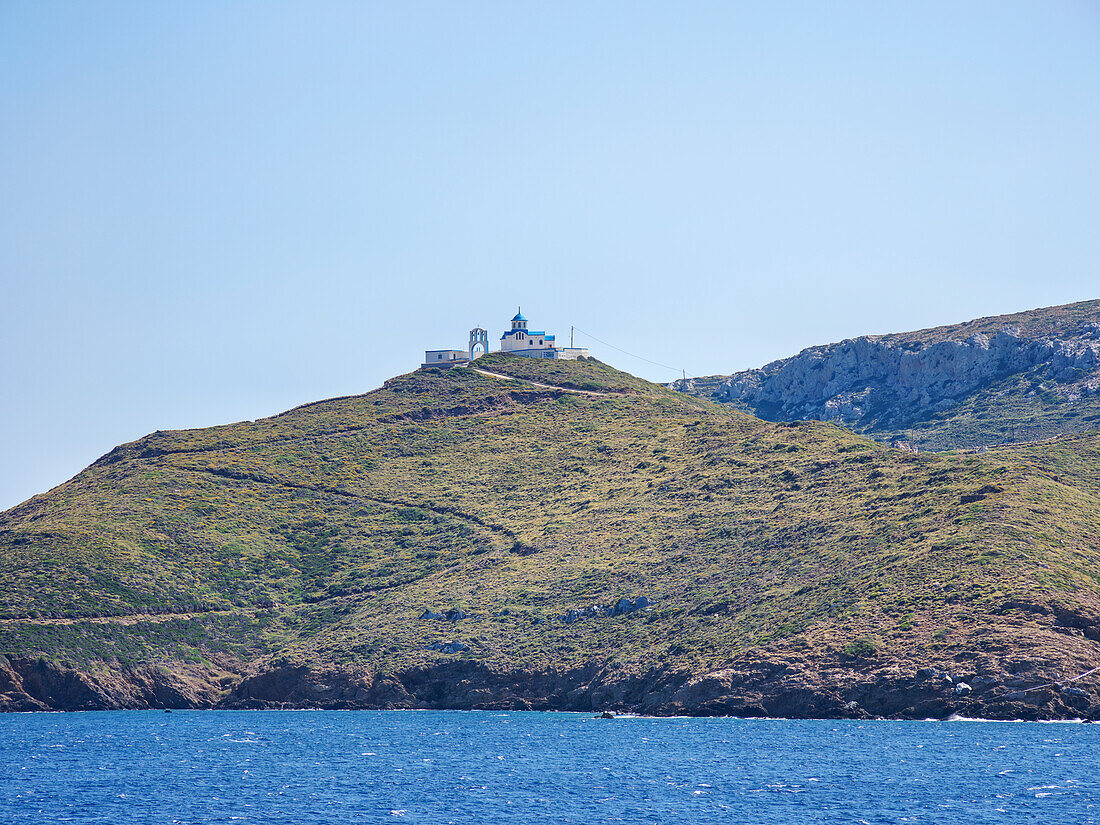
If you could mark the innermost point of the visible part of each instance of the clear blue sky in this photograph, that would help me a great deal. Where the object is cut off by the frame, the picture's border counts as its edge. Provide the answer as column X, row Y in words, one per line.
column 212, row 212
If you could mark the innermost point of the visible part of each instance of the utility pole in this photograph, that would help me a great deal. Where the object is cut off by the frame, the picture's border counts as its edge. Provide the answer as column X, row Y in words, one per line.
column 570, row 336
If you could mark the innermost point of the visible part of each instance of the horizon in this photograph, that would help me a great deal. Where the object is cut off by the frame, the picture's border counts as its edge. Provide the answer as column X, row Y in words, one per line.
column 216, row 214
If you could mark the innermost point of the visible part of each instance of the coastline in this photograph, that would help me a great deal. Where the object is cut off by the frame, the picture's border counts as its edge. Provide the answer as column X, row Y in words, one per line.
column 760, row 690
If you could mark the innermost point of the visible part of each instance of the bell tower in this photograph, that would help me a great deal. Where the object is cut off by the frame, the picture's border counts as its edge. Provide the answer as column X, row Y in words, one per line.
column 479, row 342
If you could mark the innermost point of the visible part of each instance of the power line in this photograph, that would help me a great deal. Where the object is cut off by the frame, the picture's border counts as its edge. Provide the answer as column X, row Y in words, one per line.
column 624, row 352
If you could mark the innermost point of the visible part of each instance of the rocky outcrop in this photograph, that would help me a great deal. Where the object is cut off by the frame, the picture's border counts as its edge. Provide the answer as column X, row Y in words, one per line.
column 893, row 382
column 28, row 683
column 857, row 378
column 451, row 615
column 620, row 608
column 791, row 687
column 298, row 685
column 877, row 383
column 448, row 647
column 785, row 689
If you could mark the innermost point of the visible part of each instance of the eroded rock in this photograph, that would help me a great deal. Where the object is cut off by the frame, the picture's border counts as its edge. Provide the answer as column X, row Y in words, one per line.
column 620, row 608
column 448, row 647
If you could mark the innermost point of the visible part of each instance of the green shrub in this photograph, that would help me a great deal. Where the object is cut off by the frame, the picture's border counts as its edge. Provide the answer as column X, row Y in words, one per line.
column 861, row 648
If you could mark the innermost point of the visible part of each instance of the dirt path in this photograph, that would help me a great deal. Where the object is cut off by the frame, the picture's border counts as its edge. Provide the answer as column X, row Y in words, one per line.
column 547, row 386
column 1009, row 445
column 335, row 491
column 129, row 619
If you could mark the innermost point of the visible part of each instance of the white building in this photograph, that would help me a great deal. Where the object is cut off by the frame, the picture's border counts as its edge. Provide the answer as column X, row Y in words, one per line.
column 445, row 357
column 517, row 341
column 521, row 340
column 535, row 343
column 479, row 345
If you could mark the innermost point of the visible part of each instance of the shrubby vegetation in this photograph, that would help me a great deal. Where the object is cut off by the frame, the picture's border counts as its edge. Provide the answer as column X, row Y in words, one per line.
column 323, row 533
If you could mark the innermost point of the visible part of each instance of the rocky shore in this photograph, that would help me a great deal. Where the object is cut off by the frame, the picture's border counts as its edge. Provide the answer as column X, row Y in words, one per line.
column 770, row 688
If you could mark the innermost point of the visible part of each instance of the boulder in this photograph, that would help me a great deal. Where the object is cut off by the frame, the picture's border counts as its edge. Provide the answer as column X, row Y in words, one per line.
column 451, row 615
column 448, row 647
column 620, row 608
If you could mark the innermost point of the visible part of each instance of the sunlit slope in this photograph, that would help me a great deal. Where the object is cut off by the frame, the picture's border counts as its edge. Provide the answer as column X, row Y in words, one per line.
column 321, row 535
column 1007, row 379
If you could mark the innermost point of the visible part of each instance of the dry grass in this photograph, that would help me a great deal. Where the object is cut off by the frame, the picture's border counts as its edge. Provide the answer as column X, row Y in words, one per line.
column 322, row 534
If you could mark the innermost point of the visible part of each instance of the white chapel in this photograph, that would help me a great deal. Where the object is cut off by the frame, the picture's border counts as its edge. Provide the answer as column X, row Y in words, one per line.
column 519, row 340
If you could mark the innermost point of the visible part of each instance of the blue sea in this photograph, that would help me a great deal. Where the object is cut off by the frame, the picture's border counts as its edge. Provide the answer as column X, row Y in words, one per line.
column 488, row 767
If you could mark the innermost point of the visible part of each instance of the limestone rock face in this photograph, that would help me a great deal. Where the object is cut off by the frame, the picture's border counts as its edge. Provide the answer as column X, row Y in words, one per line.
column 855, row 378
column 890, row 382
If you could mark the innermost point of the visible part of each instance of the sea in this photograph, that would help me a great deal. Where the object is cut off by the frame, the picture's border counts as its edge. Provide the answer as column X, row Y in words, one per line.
column 133, row 767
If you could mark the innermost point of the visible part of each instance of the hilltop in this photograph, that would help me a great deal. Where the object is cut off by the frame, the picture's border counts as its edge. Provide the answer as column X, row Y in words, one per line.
column 1002, row 380
column 556, row 534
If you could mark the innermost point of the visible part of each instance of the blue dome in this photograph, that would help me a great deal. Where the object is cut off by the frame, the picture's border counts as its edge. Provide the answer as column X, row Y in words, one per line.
column 519, row 317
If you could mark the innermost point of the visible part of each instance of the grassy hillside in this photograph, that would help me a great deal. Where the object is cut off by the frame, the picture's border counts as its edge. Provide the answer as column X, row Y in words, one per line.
column 320, row 536
column 1020, row 408
column 1045, row 322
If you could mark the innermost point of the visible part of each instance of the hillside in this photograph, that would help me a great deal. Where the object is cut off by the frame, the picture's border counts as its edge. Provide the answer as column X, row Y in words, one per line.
column 1001, row 380
column 570, row 537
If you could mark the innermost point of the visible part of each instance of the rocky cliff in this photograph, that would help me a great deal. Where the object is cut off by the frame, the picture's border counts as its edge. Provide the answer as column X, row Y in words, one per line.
column 1005, row 379
column 783, row 684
